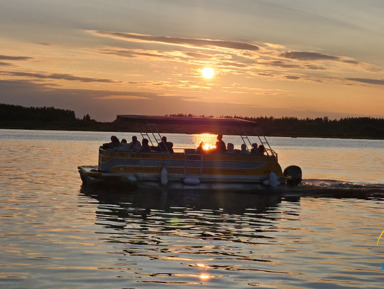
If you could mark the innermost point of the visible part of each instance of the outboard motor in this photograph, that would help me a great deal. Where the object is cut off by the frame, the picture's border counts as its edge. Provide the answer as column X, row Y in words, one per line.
column 293, row 175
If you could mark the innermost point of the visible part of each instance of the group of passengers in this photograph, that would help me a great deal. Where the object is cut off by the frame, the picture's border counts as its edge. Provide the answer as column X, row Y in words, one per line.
column 136, row 146
column 220, row 148
column 256, row 150
column 167, row 147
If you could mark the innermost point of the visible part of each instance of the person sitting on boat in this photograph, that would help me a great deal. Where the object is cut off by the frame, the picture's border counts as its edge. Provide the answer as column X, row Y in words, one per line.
column 113, row 144
column 134, row 145
column 244, row 150
column 220, row 145
column 261, row 150
column 170, row 147
column 145, row 148
column 200, row 148
column 165, row 146
column 254, row 149
column 124, row 146
column 230, row 148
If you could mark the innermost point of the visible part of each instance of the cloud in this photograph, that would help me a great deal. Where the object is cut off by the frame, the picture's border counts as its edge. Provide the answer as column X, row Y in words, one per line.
column 315, row 56
column 233, row 64
column 6, row 57
column 58, row 76
column 136, row 53
column 280, row 63
column 178, row 41
column 238, row 56
column 314, row 67
column 368, row 80
column 302, row 55
column 44, row 43
column 12, row 58
column 292, row 77
column 5, row 64
column 350, row 61
column 129, row 95
column 198, row 55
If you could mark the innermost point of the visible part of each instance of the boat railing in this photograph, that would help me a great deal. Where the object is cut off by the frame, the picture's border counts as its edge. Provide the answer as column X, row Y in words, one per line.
column 191, row 156
column 186, row 151
column 262, row 141
column 152, row 130
column 246, row 140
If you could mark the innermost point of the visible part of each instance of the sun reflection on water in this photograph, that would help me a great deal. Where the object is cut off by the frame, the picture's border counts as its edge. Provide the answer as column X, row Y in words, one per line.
column 207, row 140
column 205, row 277
column 201, row 265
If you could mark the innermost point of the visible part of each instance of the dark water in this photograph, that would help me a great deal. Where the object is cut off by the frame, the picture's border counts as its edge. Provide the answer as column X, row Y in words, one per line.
column 56, row 234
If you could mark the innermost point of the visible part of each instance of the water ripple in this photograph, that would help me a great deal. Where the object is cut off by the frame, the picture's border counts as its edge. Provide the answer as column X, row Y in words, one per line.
column 241, row 246
column 322, row 235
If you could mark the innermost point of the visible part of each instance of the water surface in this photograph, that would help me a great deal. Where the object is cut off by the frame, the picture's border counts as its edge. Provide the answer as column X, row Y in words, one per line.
column 56, row 234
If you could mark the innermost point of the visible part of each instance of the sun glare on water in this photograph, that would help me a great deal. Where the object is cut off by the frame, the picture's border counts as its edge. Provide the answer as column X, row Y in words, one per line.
column 208, row 147
column 205, row 141
column 207, row 72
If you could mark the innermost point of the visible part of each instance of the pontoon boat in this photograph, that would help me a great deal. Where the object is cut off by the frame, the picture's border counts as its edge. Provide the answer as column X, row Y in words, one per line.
column 189, row 168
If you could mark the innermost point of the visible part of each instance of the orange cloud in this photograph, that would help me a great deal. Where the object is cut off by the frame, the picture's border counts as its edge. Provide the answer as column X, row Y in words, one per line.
column 189, row 42
column 57, row 76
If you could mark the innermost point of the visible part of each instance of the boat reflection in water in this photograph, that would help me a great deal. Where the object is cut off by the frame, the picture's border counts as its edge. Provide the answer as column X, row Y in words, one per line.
column 166, row 200
column 189, row 237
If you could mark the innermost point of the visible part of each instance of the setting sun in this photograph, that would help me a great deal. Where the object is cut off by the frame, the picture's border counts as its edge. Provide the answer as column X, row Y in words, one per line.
column 207, row 72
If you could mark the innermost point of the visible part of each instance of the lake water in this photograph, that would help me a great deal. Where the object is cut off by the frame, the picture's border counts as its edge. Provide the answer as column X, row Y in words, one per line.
column 54, row 234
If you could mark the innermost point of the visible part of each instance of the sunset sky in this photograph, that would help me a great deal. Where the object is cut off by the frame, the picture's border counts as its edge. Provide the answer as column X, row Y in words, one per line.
column 270, row 58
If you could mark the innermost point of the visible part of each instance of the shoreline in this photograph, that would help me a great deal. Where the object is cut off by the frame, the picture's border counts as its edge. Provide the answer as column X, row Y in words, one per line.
column 50, row 118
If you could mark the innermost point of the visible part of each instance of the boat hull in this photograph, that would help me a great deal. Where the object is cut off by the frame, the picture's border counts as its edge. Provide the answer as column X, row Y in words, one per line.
column 186, row 170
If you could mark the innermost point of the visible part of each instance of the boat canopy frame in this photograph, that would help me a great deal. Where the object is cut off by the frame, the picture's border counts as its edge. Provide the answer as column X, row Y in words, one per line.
column 155, row 125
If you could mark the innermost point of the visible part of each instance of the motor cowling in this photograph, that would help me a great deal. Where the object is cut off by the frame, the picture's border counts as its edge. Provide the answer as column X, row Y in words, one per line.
column 293, row 175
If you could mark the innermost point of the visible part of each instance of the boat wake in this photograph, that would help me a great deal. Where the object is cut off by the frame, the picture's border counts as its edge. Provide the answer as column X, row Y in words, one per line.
column 335, row 188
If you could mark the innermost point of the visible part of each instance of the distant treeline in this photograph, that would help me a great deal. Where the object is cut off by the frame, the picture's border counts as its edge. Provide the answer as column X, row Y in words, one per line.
column 10, row 112
column 353, row 127
column 19, row 117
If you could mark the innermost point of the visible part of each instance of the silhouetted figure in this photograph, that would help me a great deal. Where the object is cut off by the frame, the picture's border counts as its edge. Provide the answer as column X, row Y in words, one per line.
column 124, row 147
column 200, row 148
column 113, row 144
column 145, row 148
column 135, row 145
column 261, row 150
column 165, row 146
column 230, row 148
column 244, row 150
column 220, row 145
column 254, row 149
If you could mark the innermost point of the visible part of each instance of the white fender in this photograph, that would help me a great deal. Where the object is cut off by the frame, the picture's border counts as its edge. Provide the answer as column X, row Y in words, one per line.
column 191, row 181
column 266, row 182
column 273, row 182
column 130, row 178
column 164, row 176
